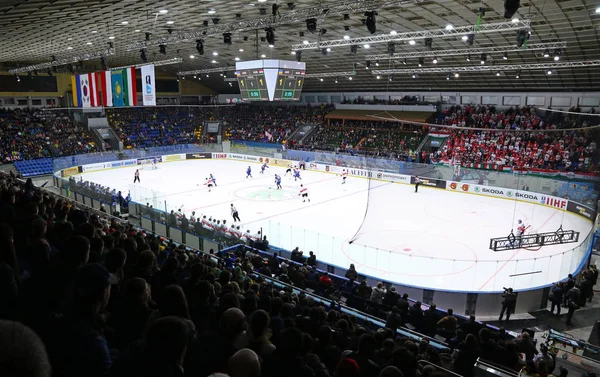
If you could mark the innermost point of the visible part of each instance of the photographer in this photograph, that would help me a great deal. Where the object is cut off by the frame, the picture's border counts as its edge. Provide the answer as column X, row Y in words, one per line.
column 509, row 303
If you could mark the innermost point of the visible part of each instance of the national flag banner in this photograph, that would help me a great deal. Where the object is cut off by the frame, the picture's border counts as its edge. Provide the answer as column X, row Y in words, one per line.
column 94, row 98
column 116, row 79
column 129, row 90
column 75, row 90
column 105, row 86
column 84, row 90
column 148, row 85
column 268, row 135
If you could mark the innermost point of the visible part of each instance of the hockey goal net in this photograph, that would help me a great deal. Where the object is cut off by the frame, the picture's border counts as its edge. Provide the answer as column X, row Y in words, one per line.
column 147, row 165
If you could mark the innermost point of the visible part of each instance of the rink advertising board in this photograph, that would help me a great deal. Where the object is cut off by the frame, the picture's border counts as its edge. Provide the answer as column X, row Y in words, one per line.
column 198, row 156
column 499, row 192
column 93, row 167
column 173, row 157
column 438, row 183
column 392, row 177
column 118, row 164
column 71, row 171
column 581, row 210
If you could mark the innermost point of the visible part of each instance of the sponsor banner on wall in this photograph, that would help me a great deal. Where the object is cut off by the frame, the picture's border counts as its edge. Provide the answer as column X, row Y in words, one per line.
column 393, row 177
column 458, row 186
column 71, row 171
column 198, row 156
column 233, row 156
column 223, row 155
column 581, row 210
column 173, row 157
column 439, row 183
column 92, row 167
column 118, row 164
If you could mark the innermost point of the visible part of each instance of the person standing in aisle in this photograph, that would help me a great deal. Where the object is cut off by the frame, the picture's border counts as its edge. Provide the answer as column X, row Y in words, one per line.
column 234, row 213
column 136, row 176
column 509, row 303
column 417, row 183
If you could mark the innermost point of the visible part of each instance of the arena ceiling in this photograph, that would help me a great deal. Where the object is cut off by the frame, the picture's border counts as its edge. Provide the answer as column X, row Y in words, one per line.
column 35, row 30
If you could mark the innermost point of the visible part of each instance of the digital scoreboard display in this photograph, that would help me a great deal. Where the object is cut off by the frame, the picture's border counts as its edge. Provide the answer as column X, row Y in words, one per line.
column 253, row 85
column 289, row 85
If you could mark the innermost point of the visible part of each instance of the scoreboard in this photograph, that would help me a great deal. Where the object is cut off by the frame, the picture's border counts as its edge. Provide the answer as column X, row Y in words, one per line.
column 270, row 79
column 253, row 84
column 289, row 85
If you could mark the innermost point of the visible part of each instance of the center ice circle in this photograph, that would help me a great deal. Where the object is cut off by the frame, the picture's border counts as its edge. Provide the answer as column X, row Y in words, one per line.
column 261, row 193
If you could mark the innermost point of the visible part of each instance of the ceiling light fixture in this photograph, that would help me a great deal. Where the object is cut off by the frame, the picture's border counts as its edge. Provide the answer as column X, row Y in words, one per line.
column 346, row 37
column 393, row 32
column 449, row 27
column 435, row 60
column 546, row 53
column 111, row 37
column 170, row 22
column 505, row 56
column 211, row 11
column 457, row 75
column 241, row 50
column 69, row 48
column 350, row 78
column 192, row 56
column 213, row 61
column 263, row 56
column 464, row 38
column 412, row 42
column 236, row 59
column 124, row 22
column 163, row 11
column 366, row 45
column 215, row 53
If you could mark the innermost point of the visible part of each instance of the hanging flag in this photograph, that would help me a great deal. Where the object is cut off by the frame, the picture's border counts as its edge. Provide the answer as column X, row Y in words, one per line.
column 84, row 89
column 129, row 90
column 268, row 135
column 148, row 85
column 94, row 98
column 105, row 86
column 116, row 78
column 75, row 90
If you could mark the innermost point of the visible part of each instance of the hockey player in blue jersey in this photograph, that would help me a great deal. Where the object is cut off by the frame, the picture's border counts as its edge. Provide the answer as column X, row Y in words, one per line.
column 262, row 169
column 297, row 175
column 249, row 172
column 278, row 181
column 213, row 179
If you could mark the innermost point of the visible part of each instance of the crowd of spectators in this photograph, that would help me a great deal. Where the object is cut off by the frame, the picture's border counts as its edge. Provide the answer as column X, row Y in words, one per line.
column 33, row 133
column 91, row 296
column 269, row 123
column 149, row 127
column 383, row 139
column 504, row 145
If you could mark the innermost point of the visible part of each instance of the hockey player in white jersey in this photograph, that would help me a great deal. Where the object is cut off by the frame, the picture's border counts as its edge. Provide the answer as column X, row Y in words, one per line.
column 344, row 176
column 304, row 194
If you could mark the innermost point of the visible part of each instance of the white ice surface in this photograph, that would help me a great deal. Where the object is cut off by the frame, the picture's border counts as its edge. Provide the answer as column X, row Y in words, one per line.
column 434, row 239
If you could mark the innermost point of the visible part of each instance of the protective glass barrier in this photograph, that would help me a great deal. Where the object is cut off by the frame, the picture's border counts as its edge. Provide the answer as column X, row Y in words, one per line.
column 442, row 271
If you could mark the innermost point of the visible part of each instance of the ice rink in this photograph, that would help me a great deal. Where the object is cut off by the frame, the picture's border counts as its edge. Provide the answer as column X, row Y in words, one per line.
column 435, row 239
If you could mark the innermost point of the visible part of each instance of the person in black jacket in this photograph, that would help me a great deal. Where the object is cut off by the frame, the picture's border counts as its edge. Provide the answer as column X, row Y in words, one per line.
column 572, row 297
column 556, row 297
column 570, row 283
column 509, row 303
